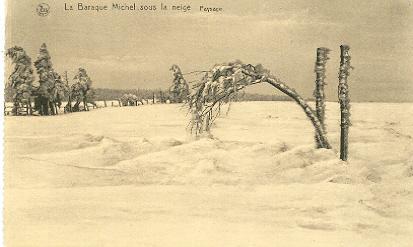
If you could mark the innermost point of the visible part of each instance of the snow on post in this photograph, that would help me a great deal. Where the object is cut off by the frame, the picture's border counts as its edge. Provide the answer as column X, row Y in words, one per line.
column 344, row 100
column 320, row 70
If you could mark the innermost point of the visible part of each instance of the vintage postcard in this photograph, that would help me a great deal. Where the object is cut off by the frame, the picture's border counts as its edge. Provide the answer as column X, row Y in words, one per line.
column 200, row 123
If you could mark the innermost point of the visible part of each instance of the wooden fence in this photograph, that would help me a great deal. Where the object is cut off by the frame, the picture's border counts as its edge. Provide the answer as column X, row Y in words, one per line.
column 26, row 110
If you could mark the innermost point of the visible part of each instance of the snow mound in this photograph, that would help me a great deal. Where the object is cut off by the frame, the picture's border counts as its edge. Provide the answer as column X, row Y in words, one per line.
column 205, row 161
column 210, row 161
column 92, row 151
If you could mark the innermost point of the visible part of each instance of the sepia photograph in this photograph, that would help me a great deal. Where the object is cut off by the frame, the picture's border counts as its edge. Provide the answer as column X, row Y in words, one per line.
column 208, row 123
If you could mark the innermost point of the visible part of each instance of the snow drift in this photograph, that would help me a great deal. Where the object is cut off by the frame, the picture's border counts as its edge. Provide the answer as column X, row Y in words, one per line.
column 260, row 174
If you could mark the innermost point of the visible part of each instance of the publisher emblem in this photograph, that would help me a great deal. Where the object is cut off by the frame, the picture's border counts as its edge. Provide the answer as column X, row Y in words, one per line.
column 43, row 9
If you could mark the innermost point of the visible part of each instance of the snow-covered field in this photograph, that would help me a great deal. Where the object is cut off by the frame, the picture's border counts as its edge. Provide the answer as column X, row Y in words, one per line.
column 132, row 176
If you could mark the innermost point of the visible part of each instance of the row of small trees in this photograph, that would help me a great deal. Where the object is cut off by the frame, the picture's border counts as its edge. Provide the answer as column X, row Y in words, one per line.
column 51, row 90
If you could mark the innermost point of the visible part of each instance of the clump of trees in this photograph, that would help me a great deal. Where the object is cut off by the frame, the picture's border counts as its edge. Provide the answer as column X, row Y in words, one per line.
column 51, row 90
column 129, row 100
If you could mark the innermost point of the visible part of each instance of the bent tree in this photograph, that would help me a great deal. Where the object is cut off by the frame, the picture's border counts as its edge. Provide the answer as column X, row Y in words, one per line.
column 223, row 80
column 21, row 79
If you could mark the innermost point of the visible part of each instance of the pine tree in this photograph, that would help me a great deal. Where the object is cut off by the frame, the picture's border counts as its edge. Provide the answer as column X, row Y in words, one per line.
column 21, row 79
column 60, row 90
column 180, row 89
column 81, row 90
column 46, row 74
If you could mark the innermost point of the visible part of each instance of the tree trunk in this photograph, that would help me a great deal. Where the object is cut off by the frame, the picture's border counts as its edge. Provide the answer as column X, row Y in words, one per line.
column 51, row 106
column 344, row 100
column 30, row 107
column 320, row 69
column 228, row 109
column 85, row 107
column 15, row 107
column 69, row 103
column 76, row 106
column 322, row 140
column 45, row 106
column 38, row 104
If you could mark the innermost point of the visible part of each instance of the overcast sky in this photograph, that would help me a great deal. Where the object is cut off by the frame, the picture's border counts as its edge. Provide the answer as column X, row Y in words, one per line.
column 136, row 50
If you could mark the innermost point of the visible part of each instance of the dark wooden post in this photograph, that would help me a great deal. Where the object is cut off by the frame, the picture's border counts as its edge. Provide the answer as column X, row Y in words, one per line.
column 153, row 98
column 344, row 100
column 320, row 70
column 104, row 102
